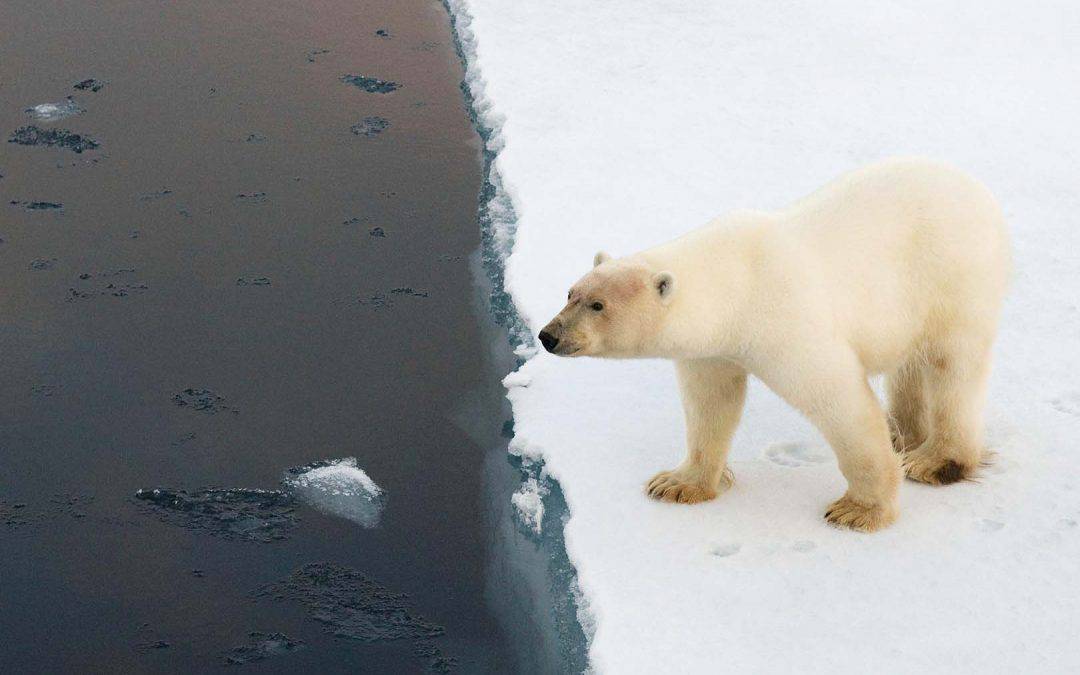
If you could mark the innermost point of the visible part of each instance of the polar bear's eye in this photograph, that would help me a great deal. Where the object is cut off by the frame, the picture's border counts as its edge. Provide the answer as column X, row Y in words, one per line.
column 597, row 306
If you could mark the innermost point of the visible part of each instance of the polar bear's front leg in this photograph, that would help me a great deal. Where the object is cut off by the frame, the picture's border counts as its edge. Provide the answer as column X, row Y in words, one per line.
column 859, row 433
column 713, row 391
column 832, row 391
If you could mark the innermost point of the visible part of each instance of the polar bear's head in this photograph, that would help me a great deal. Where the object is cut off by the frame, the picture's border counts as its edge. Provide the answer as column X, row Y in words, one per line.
column 616, row 310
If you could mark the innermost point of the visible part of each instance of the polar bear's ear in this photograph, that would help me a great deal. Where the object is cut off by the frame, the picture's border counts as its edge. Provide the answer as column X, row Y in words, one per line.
column 664, row 283
column 600, row 258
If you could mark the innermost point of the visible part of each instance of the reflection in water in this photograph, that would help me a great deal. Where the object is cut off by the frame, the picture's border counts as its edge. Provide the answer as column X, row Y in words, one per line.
column 531, row 584
column 340, row 488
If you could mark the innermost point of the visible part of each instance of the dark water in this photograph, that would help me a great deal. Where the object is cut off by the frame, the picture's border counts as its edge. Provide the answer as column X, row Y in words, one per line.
column 269, row 258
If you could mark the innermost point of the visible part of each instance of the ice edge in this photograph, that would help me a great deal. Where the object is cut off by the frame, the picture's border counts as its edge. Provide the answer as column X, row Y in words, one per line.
column 498, row 226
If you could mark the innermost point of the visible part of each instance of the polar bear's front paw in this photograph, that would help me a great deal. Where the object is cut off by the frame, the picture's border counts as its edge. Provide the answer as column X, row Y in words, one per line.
column 865, row 517
column 682, row 486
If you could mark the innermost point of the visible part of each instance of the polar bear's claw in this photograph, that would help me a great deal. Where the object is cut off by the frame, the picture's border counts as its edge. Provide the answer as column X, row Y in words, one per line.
column 669, row 486
column 846, row 512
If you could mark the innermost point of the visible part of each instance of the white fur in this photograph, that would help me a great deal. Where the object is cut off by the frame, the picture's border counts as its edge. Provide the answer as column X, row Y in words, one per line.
column 897, row 268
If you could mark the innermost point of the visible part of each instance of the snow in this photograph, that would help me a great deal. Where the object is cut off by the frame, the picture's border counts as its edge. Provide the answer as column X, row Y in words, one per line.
column 618, row 125
column 339, row 487
column 516, row 379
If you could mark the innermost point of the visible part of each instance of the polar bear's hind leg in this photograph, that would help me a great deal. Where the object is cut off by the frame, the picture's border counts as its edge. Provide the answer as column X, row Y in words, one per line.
column 908, row 407
column 956, row 375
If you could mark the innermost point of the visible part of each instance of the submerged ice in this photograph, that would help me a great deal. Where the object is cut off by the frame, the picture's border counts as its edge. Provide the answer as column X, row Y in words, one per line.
column 58, row 138
column 338, row 487
column 231, row 513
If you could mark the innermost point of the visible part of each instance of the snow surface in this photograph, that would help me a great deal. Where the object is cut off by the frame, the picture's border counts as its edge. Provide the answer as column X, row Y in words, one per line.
column 340, row 488
column 618, row 125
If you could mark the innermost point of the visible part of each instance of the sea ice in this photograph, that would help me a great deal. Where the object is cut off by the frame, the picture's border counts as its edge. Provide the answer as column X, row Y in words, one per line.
column 619, row 125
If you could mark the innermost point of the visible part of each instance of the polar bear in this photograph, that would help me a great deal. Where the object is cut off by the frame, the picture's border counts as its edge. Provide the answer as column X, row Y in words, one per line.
column 897, row 268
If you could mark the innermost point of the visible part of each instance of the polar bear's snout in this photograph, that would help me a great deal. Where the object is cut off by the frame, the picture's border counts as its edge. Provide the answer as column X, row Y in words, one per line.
column 549, row 340
column 562, row 336
column 558, row 338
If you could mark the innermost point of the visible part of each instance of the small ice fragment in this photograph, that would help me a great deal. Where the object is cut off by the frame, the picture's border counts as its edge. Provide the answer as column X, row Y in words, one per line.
column 340, row 488
column 529, row 502
column 51, row 112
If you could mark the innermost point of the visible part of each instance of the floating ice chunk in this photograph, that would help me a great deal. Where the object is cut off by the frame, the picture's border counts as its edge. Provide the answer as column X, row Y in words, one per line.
column 340, row 488
column 529, row 502
column 51, row 112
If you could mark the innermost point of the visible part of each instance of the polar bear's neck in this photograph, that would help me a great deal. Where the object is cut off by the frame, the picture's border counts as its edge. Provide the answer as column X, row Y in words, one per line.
column 714, row 268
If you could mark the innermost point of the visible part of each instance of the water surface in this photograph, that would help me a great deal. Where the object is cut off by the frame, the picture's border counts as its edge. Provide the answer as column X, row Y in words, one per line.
column 260, row 265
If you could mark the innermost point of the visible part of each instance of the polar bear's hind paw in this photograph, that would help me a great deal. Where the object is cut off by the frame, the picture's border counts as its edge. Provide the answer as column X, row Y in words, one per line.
column 933, row 470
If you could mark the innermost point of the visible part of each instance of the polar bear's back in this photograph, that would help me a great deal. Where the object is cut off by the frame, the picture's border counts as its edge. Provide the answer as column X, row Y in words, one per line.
column 883, row 258
column 899, row 245
column 911, row 206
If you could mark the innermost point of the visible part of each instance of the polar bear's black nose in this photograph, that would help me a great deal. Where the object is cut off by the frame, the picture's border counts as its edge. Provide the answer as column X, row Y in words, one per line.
column 549, row 341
